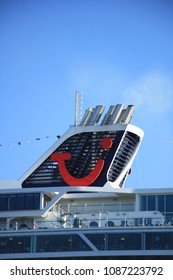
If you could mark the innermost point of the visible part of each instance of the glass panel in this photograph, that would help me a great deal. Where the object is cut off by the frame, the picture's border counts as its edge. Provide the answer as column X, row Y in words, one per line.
column 143, row 203
column 3, row 245
column 160, row 199
column 169, row 203
column 3, row 202
column 159, row 241
column 98, row 240
column 47, row 199
column 53, row 243
column 115, row 242
column 65, row 242
column 12, row 202
column 151, row 203
column 28, row 201
column 20, row 202
column 78, row 244
column 13, row 244
column 41, row 244
column 22, row 244
column 36, row 201
column 168, row 241
column 154, row 241
column 10, row 245
column 124, row 241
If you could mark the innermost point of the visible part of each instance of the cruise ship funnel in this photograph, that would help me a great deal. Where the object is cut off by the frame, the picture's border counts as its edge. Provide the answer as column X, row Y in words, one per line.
column 90, row 154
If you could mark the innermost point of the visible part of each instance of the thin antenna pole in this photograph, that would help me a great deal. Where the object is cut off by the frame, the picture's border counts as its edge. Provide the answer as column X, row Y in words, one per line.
column 78, row 107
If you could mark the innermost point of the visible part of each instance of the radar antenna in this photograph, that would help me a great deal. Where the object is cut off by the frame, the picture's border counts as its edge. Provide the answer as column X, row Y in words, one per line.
column 78, row 107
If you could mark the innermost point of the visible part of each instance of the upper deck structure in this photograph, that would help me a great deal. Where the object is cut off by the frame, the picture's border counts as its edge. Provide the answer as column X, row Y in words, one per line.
column 72, row 201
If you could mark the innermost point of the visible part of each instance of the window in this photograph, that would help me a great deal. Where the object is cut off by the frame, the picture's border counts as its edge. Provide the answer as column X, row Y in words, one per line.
column 3, row 202
column 32, row 201
column 61, row 243
column 47, row 199
column 143, row 203
column 169, row 203
column 151, row 202
column 22, row 244
column 159, row 241
column 13, row 202
column 29, row 201
column 98, row 240
column 36, row 197
column 124, row 241
column 154, row 241
column 3, row 245
column 20, row 204
column 78, row 244
column 160, row 201
column 15, row 244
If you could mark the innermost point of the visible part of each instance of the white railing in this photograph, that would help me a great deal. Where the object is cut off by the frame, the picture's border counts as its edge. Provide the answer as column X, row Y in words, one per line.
column 93, row 208
column 87, row 223
column 77, row 221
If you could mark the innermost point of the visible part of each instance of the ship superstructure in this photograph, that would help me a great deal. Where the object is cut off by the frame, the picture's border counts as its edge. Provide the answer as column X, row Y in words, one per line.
column 71, row 203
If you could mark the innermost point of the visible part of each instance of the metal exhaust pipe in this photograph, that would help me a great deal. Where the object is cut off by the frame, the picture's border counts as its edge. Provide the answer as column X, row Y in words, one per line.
column 108, row 115
column 96, row 114
column 126, row 115
column 86, row 116
column 116, row 114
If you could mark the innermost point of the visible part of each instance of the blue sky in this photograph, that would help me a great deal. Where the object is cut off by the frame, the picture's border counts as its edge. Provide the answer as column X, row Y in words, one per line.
column 113, row 51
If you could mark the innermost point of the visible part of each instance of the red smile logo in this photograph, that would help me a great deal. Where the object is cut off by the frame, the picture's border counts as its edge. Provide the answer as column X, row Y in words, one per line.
column 60, row 158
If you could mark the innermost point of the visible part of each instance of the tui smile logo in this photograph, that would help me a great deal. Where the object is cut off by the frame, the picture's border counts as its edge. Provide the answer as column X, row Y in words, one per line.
column 60, row 158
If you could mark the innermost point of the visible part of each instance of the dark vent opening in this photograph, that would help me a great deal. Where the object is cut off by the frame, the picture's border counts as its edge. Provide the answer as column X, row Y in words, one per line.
column 123, row 156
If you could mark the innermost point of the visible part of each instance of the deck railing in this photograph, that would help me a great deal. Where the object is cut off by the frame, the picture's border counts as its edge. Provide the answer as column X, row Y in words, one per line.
column 75, row 222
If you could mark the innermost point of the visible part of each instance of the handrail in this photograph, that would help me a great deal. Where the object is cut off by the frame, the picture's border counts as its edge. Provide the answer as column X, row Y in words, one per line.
column 74, row 222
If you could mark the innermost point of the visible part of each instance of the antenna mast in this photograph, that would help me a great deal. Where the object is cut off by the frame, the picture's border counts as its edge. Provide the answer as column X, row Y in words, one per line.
column 78, row 107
